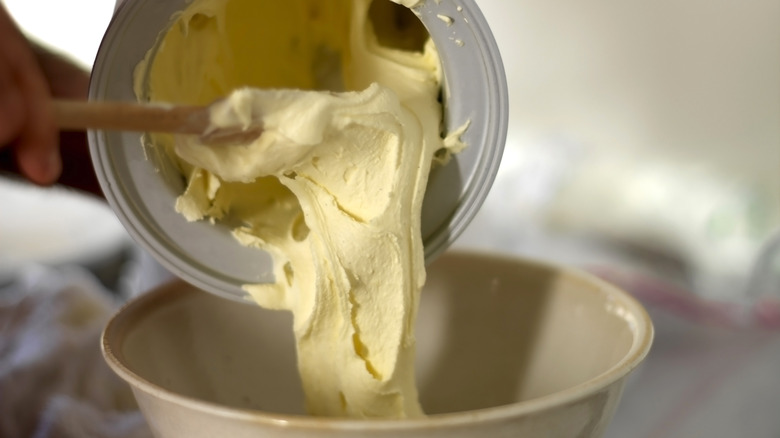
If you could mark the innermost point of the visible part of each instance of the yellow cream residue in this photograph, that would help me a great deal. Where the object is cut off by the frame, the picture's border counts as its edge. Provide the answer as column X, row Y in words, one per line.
column 332, row 189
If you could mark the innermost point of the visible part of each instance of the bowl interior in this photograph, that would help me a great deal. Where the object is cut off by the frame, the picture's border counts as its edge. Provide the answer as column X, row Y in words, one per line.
column 491, row 331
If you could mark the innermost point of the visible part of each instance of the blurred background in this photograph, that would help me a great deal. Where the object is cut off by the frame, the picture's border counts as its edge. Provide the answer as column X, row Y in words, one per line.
column 644, row 146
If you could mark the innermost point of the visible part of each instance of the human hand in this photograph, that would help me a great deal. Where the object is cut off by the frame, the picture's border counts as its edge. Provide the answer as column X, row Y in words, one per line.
column 26, row 119
column 62, row 79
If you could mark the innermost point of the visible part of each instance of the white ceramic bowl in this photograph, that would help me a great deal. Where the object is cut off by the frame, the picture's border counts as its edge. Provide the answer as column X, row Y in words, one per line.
column 506, row 347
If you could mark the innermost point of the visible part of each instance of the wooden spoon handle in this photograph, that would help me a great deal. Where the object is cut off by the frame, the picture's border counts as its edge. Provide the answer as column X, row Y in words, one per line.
column 122, row 116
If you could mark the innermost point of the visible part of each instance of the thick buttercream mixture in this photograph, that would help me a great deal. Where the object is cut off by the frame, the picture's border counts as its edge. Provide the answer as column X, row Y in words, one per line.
column 332, row 189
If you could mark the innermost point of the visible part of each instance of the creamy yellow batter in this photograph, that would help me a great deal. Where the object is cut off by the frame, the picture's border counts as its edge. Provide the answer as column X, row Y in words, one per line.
column 332, row 189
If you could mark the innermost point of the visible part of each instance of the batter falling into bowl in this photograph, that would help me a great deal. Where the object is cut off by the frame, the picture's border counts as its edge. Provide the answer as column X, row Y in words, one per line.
column 347, row 95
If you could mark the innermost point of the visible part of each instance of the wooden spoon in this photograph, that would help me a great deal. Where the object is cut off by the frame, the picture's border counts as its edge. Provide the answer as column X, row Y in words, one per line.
column 125, row 116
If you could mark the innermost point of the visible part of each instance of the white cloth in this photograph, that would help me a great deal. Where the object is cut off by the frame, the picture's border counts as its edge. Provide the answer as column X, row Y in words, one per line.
column 53, row 379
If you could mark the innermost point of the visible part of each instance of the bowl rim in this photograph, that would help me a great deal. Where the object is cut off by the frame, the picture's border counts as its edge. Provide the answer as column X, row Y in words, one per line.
column 642, row 328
